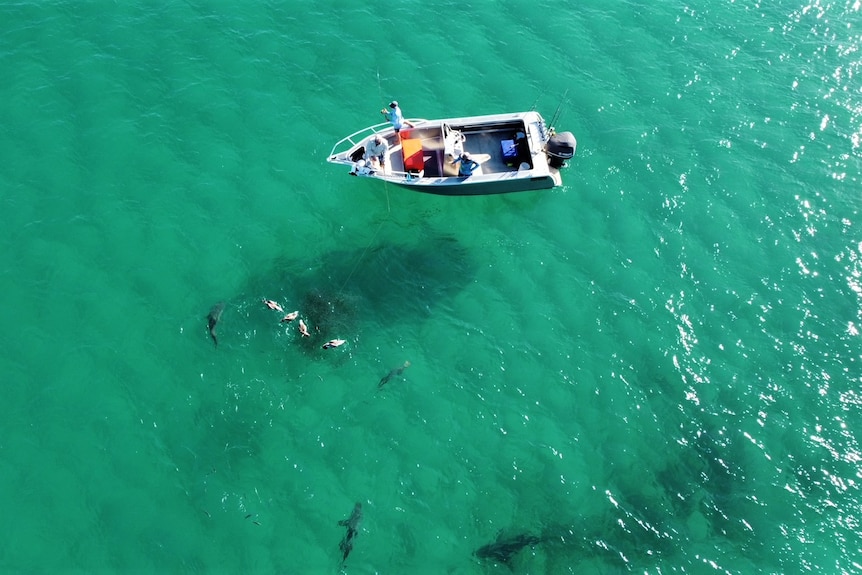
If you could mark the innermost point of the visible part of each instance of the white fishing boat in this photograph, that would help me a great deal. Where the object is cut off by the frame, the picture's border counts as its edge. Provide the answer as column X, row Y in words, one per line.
column 508, row 153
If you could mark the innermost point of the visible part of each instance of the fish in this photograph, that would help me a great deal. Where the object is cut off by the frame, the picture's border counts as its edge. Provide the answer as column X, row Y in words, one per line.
column 333, row 343
column 271, row 304
column 352, row 524
column 290, row 317
column 397, row 371
column 213, row 318
column 502, row 550
column 303, row 329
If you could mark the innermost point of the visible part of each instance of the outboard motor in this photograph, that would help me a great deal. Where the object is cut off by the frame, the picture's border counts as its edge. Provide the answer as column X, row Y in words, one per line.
column 561, row 147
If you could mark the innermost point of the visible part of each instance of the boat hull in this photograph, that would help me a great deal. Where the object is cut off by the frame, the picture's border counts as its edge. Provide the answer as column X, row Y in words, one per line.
column 444, row 187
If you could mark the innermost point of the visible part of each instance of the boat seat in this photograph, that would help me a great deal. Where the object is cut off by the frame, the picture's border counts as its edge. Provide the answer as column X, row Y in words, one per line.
column 414, row 158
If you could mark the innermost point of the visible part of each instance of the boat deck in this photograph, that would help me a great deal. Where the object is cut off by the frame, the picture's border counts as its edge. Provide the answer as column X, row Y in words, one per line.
column 483, row 144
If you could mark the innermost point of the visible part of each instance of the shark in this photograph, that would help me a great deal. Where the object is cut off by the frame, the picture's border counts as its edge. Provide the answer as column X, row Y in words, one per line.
column 352, row 524
column 213, row 318
column 393, row 373
column 504, row 549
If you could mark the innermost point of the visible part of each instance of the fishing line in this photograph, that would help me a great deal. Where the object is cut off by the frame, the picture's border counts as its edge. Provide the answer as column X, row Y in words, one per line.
column 362, row 256
column 385, row 183
column 388, row 208
column 379, row 88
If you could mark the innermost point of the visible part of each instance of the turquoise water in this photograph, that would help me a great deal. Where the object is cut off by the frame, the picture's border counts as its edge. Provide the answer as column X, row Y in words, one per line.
column 655, row 367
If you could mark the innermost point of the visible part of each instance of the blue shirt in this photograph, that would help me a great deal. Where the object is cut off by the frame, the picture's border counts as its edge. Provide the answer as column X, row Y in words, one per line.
column 394, row 115
column 466, row 167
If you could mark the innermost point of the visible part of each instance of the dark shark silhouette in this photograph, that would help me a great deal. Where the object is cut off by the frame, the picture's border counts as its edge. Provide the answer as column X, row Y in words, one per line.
column 503, row 550
column 212, row 320
column 352, row 524
column 393, row 373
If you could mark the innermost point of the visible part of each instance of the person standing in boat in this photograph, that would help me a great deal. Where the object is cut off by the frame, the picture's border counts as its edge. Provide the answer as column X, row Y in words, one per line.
column 395, row 117
column 466, row 164
column 376, row 151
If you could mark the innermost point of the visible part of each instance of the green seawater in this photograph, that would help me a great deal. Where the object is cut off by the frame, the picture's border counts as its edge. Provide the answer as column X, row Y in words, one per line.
column 654, row 368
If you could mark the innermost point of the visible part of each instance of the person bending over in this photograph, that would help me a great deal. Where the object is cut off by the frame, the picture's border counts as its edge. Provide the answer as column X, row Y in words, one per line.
column 376, row 150
column 466, row 164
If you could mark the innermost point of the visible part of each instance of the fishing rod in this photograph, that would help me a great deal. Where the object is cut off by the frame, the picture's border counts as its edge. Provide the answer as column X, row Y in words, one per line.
column 558, row 113
column 536, row 101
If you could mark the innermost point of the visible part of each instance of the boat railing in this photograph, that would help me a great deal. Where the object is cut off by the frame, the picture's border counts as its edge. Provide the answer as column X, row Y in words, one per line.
column 345, row 144
column 397, row 175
